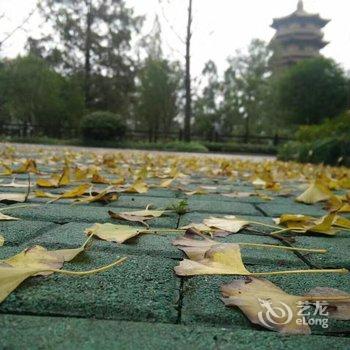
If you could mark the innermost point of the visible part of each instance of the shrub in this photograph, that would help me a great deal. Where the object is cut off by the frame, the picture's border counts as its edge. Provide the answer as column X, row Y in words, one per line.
column 339, row 126
column 330, row 150
column 102, row 126
column 327, row 143
column 240, row 148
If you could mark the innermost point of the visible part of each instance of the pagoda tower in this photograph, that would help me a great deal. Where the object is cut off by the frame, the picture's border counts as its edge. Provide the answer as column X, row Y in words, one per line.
column 298, row 37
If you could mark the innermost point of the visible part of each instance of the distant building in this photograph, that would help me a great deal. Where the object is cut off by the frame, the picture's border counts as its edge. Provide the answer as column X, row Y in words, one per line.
column 298, row 36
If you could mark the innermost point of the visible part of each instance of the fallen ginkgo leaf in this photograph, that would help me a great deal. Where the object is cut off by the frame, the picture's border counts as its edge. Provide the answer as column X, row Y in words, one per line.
column 269, row 306
column 140, row 216
column 316, row 192
column 228, row 223
column 4, row 217
column 226, row 259
column 38, row 261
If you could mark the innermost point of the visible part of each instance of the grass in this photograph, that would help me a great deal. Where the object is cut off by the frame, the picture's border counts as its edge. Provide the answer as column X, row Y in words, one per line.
column 178, row 146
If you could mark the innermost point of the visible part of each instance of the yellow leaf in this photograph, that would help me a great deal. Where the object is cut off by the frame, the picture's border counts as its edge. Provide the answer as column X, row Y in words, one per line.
column 2, row 240
column 106, row 196
column 11, row 278
column 197, row 191
column 225, row 259
column 13, row 197
column 219, row 260
column 4, row 217
column 166, row 183
column 73, row 193
column 114, row 233
column 323, row 225
column 29, row 166
column 317, row 192
column 137, row 187
column 197, row 226
column 97, row 178
column 37, row 261
column 228, row 223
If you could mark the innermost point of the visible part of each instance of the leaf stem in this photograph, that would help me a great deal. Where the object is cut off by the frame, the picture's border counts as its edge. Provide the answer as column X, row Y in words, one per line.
column 90, row 272
column 300, row 272
column 321, row 251
column 262, row 224
column 20, row 206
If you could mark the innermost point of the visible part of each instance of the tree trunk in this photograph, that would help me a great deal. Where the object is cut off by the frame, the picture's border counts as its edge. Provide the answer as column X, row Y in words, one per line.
column 188, row 108
column 87, row 68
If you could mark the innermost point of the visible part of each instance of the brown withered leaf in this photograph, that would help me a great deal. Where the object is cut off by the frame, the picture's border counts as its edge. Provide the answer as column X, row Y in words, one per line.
column 140, row 216
column 337, row 309
column 192, row 246
column 266, row 304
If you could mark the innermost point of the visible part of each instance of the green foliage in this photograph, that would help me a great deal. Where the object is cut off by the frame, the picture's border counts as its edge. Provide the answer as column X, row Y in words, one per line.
column 93, row 38
column 180, row 208
column 157, row 101
column 33, row 94
column 313, row 90
column 331, row 150
column 246, row 90
column 102, row 126
column 327, row 143
column 336, row 127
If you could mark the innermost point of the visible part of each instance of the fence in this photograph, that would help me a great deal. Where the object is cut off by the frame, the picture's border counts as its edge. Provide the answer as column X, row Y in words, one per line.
column 29, row 131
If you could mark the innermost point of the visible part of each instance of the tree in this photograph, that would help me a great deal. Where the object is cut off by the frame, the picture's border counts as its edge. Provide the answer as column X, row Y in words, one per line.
column 313, row 90
column 157, row 107
column 34, row 94
column 93, row 38
column 188, row 106
column 245, row 86
column 207, row 106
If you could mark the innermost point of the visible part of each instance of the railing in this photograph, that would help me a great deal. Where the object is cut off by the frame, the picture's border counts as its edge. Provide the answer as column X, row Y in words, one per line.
column 24, row 131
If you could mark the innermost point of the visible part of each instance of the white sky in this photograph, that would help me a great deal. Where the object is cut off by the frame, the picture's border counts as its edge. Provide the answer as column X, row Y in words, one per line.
column 220, row 26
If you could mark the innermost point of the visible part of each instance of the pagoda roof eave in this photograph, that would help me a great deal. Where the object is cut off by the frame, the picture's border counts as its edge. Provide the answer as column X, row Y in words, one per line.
column 277, row 22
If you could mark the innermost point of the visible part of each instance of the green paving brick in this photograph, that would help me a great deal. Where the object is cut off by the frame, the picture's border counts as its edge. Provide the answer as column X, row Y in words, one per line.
column 19, row 232
column 80, row 213
column 207, row 204
column 285, row 207
column 338, row 247
column 141, row 202
column 202, row 305
column 64, row 333
column 72, row 235
column 142, row 289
